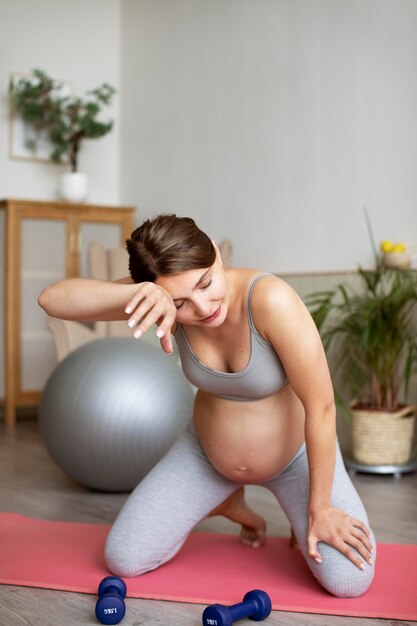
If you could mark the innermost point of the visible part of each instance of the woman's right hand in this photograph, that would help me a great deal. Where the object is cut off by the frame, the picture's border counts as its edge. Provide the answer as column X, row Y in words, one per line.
column 151, row 305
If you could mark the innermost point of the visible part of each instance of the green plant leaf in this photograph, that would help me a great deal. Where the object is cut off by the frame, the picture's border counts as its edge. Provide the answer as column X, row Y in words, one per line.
column 370, row 333
column 68, row 120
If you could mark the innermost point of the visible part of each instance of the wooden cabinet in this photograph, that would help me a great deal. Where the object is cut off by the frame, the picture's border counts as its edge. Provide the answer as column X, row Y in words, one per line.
column 40, row 243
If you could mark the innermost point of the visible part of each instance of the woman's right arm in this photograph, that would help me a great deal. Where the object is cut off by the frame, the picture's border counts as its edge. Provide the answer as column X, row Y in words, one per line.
column 141, row 305
column 86, row 300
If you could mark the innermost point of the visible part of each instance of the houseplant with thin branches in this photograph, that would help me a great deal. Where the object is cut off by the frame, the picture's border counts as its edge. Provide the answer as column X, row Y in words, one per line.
column 371, row 332
column 65, row 120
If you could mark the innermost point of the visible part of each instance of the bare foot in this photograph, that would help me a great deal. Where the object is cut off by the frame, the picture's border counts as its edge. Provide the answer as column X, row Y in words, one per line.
column 236, row 509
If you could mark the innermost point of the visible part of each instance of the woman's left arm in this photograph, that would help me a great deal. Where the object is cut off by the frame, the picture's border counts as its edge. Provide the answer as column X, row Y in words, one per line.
column 289, row 327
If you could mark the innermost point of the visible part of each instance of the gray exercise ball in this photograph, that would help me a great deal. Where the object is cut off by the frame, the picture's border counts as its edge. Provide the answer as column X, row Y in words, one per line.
column 111, row 410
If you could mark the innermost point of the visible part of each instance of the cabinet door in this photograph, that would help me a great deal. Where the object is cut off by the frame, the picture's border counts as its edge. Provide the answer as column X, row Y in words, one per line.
column 108, row 235
column 43, row 261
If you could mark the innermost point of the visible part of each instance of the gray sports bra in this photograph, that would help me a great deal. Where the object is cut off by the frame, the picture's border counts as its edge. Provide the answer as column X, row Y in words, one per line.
column 263, row 375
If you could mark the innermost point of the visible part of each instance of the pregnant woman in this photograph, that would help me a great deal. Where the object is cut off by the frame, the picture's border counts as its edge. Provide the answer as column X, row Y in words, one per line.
column 264, row 411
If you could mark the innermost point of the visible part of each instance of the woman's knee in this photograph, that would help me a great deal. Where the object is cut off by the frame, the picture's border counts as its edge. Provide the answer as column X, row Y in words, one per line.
column 128, row 560
column 125, row 568
column 118, row 557
column 352, row 585
column 340, row 577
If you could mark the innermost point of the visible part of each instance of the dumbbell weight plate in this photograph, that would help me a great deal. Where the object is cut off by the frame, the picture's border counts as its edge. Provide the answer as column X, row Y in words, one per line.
column 110, row 607
column 110, row 610
column 112, row 581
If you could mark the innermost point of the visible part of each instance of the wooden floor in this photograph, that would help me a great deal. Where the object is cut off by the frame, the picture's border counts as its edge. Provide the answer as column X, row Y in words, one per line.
column 32, row 485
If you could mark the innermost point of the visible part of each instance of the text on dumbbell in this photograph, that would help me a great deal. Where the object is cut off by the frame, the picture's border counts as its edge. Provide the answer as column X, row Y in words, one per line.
column 110, row 611
column 211, row 622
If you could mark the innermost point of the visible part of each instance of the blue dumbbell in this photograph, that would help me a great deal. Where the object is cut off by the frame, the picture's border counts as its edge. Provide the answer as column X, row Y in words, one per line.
column 110, row 607
column 256, row 605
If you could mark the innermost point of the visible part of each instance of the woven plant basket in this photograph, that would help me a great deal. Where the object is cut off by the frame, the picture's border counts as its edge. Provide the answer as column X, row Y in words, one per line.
column 380, row 438
column 397, row 259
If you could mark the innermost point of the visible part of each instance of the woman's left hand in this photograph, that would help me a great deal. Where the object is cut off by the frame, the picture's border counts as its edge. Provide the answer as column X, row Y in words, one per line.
column 332, row 526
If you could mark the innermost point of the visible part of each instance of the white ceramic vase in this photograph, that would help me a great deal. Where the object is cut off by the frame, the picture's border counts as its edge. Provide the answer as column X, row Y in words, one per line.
column 74, row 187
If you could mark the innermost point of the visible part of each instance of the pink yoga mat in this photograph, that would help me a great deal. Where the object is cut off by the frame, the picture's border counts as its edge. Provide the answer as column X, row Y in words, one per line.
column 210, row 568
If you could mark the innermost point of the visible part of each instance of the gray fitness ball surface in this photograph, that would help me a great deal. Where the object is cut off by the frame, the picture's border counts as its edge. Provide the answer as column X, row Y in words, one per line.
column 112, row 409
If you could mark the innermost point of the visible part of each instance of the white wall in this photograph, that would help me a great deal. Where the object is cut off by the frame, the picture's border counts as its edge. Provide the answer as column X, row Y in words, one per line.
column 274, row 122
column 77, row 41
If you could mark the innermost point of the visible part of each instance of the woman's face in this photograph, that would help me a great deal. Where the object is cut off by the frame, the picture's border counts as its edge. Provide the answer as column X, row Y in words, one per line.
column 200, row 296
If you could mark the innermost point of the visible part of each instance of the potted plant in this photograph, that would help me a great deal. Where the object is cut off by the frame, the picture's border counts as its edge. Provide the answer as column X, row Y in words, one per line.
column 371, row 331
column 65, row 120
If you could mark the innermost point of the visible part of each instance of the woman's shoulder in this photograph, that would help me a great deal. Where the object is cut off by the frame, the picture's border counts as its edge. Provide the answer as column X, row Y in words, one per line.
column 262, row 283
column 271, row 295
column 262, row 291
column 275, row 287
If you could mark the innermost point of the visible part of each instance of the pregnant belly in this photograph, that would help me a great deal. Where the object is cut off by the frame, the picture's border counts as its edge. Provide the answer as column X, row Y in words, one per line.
column 249, row 442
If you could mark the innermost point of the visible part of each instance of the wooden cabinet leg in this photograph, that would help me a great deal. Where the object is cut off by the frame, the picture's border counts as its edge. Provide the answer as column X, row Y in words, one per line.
column 9, row 414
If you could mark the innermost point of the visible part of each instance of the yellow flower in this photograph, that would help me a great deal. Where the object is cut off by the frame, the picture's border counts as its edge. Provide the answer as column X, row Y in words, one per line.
column 386, row 246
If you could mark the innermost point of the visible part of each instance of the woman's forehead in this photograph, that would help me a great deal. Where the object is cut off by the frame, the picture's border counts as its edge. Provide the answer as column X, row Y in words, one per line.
column 183, row 282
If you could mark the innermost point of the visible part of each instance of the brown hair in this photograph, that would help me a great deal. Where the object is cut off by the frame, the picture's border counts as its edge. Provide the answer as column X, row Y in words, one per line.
column 168, row 245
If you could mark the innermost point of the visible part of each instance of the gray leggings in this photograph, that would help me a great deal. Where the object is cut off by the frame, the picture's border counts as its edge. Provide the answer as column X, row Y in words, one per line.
column 183, row 488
